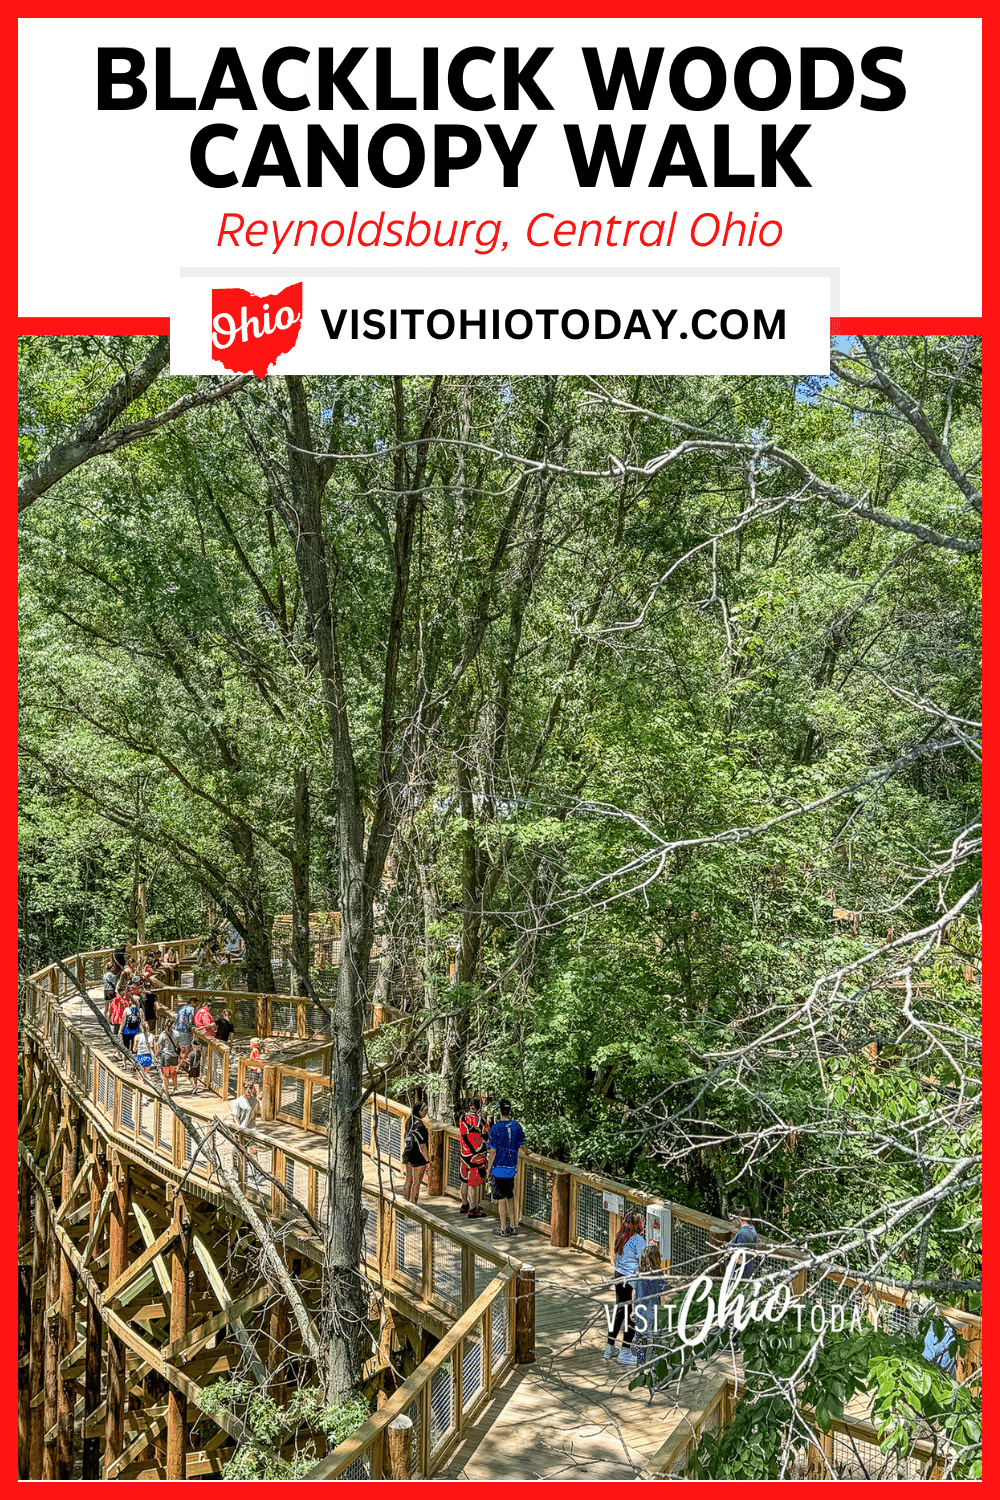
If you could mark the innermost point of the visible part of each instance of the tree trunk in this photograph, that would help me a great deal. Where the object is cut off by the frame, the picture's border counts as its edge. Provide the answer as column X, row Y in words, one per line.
column 301, row 946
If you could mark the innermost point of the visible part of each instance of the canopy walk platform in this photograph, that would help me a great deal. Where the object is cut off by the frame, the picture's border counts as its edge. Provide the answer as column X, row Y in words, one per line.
column 141, row 1281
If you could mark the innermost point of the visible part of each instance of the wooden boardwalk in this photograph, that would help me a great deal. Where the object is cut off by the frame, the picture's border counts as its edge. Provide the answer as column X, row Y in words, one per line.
column 570, row 1415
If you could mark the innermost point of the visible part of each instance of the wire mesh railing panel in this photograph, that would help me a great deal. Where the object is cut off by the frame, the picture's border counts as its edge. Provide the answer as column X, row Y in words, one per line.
column 366, row 1127
column 128, row 1107
column 413, row 1411
column 244, row 1014
column 454, row 1163
column 688, row 1247
column 282, row 1019
column 447, row 1282
column 592, row 1218
column 537, row 1194
column 165, row 1129
column 102, row 1086
column 855, row 1458
column 293, row 1097
column 485, row 1272
column 369, row 1224
column 409, row 1248
column 680, row 1463
column 318, row 1019
column 442, row 1405
column 256, row 1184
column 473, row 1375
column 147, row 1117
column 217, row 1071
column 321, row 1105
column 500, row 1327
column 361, row 1468
column 827, row 1292
column 389, row 1135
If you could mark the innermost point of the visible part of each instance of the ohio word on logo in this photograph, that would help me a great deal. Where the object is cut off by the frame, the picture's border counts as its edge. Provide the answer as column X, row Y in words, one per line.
column 249, row 333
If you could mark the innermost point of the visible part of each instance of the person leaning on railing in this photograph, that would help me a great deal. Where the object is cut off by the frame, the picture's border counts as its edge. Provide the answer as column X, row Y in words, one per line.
column 245, row 1107
column 630, row 1242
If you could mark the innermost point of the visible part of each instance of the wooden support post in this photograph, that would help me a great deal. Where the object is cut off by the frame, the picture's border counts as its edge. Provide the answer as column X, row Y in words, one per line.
column 524, row 1316
column 269, row 1091
column 176, row 1402
column 277, row 1351
column 117, row 1261
column 47, row 1313
column 23, row 1320
column 559, row 1223
column 92, row 1389
column 399, row 1448
column 36, row 1356
column 263, row 1018
column 435, row 1157
column 66, row 1323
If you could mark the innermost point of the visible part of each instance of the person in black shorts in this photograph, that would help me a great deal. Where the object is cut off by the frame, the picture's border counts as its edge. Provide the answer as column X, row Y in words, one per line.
column 415, row 1158
column 505, row 1140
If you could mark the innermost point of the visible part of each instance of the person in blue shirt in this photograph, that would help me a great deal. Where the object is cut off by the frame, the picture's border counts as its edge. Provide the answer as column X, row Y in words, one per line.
column 941, row 1351
column 505, row 1140
column 744, row 1239
column 630, row 1242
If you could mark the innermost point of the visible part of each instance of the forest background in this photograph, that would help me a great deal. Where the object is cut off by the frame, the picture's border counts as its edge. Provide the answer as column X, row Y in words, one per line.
column 640, row 717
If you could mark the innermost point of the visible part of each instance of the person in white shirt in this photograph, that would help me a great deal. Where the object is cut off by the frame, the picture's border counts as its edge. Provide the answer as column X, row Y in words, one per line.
column 245, row 1107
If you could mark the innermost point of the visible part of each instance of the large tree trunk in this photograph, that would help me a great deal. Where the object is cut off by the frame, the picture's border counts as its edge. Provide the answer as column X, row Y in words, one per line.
column 255, row 925
column 301, row 946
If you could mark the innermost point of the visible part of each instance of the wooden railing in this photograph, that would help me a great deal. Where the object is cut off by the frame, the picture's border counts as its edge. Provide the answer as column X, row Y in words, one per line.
column 558, row 1199
column 446, row 1393
column 849, row 1451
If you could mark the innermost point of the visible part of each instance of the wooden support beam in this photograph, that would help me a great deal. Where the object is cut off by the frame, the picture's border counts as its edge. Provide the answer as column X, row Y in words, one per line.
column 177, row 1413
column 66, row 1323
column 100, row 1218
column 153, row 1424
column 117, row 1259
column 68, row 1197
column 36, row 1354
column 145, row 1262
column 51, row 1380
column 204, row 1331
column 524, row 1316
column 24, row 1234
column 159, row 1264
column 92, row 1389
column 218, row 1285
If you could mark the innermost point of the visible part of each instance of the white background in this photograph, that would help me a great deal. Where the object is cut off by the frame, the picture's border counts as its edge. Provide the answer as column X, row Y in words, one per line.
column 110, row 209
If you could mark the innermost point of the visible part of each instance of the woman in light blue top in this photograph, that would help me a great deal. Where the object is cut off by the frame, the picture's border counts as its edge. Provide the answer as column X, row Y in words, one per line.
column 629, row 1245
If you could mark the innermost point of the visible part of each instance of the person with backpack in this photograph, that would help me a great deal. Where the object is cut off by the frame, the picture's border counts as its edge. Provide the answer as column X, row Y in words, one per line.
column 630, row 1242
column 503, row 1143
column 182, row 1031
column 472, row 1132
column 131, row 1023
column 415, row 1158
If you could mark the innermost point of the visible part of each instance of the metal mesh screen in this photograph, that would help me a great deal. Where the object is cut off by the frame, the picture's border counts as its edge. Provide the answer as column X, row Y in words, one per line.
column 165, row 1128
column 321, row 1105
column 216, row 1071
column 537, row 1194
column 592, row 1218
column 485, row 1272
column 282, row 1019
column 472, row 1366
column 442, row 1403
column 447, row 1281
column 317, row 1019
column 454, row 1163
column 853, row 1458
column 822, row 1289
column 361, row 1468
column 245, row 1014
column 128, row 1107
column 409, row 1247
column 688, row 1246
column 147, row 1117
column 102, row 1085
column 390, row 1135
column 369, row 1226
column 366, row 1127
column 256, row 1184
column 293, row 1097
column 413, row 1412
column 500, row 1328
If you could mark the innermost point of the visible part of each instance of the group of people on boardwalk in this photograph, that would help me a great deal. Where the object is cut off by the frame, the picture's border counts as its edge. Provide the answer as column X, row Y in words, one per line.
column 150, row 1030
column 488, row 1154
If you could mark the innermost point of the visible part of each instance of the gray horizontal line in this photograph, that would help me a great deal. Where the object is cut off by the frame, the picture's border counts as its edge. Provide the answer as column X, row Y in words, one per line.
column 273, row 272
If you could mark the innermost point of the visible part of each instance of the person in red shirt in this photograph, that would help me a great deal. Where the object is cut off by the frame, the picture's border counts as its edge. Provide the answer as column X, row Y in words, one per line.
column 472, row 1145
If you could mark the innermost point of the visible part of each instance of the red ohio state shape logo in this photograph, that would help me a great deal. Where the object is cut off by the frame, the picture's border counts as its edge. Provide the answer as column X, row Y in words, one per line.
column 249, row 333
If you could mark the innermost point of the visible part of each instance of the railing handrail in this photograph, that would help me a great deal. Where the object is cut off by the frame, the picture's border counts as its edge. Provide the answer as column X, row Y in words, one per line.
column 353, row 1447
